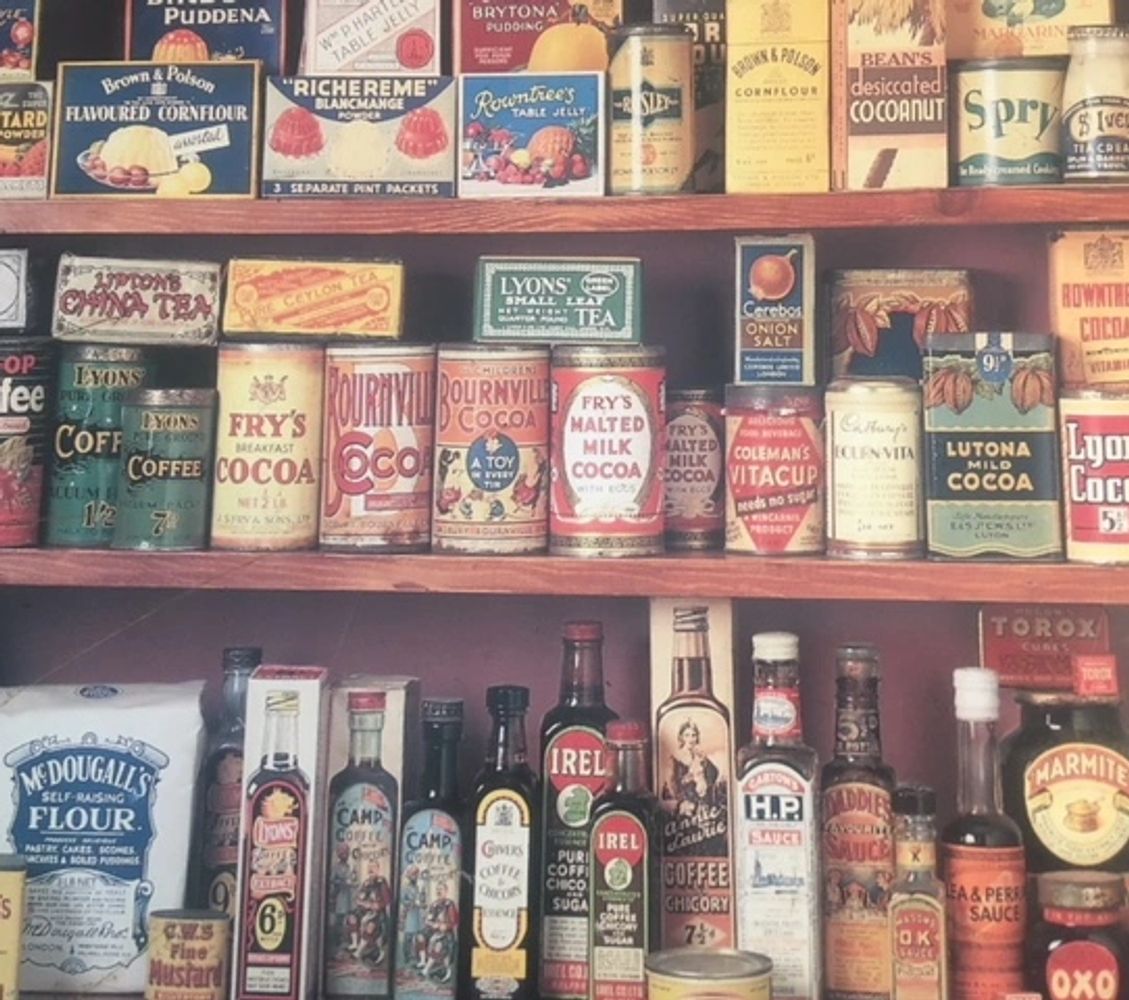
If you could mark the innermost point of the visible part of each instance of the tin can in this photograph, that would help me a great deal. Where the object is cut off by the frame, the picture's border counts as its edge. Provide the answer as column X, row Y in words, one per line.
column 491, row 487
column 689, row 973
column 694, row 503
column 1008, row 121
column 13, row 891
column 27, row 372
column 1094, row 424
column 875, row 502
column 378, row 447
column 774, row 470
column 82, row 491
column 608, row 451
column 268, row 446
column 188, row 955
column 651, row 134
column 166, row 464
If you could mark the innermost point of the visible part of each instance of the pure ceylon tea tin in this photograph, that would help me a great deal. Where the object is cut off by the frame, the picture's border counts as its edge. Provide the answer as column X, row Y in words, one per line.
column 694, row 494
column 27, row 371
column 188, row 955
column 691, row 973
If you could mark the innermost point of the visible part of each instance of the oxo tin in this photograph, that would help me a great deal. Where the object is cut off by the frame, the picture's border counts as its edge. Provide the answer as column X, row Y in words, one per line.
column 689, row 973
column 188, row 955
column 27, row 372
column 83, row 486
column 608, row 451
column 774, row 470
column 694, row 493
column 166, row 462
column 491, row 492
column 268, row 446
column 378, row 448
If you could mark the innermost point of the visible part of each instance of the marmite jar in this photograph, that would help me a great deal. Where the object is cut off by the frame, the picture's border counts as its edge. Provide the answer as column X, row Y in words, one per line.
column 1066, row 782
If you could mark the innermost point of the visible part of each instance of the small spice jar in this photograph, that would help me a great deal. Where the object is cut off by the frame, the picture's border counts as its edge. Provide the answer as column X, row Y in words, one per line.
column 1095, row 105
column 1078, row 948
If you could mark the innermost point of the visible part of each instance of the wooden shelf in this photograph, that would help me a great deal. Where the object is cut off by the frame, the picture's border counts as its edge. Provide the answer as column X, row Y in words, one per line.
column 714, row 213
column 669, row 576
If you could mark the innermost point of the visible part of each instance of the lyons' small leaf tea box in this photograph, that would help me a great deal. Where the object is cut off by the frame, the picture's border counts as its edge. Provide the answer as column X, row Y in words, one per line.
column 532, row 134
column 363, row 137
column 169, row 129
column 359, row 37
column 19, row 39
column 25, row 143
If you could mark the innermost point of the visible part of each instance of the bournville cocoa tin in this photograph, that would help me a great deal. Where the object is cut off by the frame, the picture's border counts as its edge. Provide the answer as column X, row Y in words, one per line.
column 27, row 373
column 694, row 494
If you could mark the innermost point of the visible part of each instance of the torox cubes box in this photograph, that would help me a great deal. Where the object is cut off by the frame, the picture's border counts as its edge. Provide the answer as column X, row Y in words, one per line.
column 361, row 37
column 1031, row 646
column 1008, row 29
column 19, row 39
column 25, row 145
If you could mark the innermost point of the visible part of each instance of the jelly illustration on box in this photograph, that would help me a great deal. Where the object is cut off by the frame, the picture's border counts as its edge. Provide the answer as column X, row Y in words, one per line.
column 17, row 39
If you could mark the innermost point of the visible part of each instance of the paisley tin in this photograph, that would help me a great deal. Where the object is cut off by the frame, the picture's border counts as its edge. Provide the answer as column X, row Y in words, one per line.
column 695, row 474
column 27, row 374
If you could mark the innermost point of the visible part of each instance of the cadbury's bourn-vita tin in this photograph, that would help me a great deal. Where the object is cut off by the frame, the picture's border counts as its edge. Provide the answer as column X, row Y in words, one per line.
column 27, row 371
column 83, row 486
column 694, row 494
column 608, row 451
column 268, row 446
column 491, row 493
column 188, row 955
column 378, row 448
column 166, row 464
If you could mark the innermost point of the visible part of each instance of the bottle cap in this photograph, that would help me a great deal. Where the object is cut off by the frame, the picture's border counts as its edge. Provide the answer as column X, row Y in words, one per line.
column 776, row 646
column 284, row 702
column 628, row 731
column 915, row 800
column 440, row 710
column 507, row 698
column 857, row 660
column 1076, row 890
column 242, row 658
column 366, row 701
column 583, row 631
column 977, row 694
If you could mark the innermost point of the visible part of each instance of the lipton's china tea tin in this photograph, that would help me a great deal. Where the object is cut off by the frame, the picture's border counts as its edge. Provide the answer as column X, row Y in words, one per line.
column 188, row 955
column 691, row 973
column 694, row 493
column 27, row 376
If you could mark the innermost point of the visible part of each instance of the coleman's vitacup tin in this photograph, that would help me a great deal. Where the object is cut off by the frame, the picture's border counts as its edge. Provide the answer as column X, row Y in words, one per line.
column 13, row 890
column 268, row 446
column 692, row 973
column 694, row 492
column 188, row 955
column 27, row 372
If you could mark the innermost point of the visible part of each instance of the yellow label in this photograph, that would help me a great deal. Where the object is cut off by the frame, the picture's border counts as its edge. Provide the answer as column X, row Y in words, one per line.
column 917, row 941
column 919, row 855
column 755, row 987
column 498, row 964
column 753, row 22
column 979, row 30
column 12, row 887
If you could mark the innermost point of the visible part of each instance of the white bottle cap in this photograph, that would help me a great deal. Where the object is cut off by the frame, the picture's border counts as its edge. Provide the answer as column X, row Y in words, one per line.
column 977, row 694
column 776, row 646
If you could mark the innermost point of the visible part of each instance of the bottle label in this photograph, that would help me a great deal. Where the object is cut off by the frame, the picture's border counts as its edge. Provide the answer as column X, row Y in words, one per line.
column 575, row 772
column 1077, row 799
column 915, row 856
column 499, row 961
column 427, row 940
column 858, row 859
column 620, row 907
column 693, row 770
column 857, row 732
column 776, row 714
column 1083, row 970
column 1096, row 133
column 359, row 907
column 222, row 799
column 986, row 889
column 775, row 840
column 917, row 936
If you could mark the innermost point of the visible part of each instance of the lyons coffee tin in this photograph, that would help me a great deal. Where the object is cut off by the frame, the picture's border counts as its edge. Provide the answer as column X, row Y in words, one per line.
column 188, row 955
column 82, row 492
column 687, row 973
column 378, row 448
column 694, row 494
column 27, row 373
column 268, row 446
column 875, row 500
column 608, row 451
column 13, row 894
column 166, row 464
column 491, row 485
column 774, row 470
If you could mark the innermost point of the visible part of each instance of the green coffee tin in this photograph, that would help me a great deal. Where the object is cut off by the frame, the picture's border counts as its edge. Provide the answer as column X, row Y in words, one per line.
column 167, row 443
column 82, row 488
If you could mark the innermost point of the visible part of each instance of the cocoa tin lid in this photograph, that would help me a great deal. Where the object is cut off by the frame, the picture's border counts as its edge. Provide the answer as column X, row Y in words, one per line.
column 1025, row 64
column 103, row 353
column 268, row 346
column 858, row 386
column 358, row 350
column 170, row 397
column 698, row 964
column 479, row 352
column 782, row 399
column 1080, row 890
column 193, row 915
column 611, row 356
column 700, row 395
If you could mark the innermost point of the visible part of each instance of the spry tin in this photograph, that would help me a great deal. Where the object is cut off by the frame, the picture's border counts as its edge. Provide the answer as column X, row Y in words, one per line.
column 27, row 372
column 188, row 955
column 13, row 891
column 694, row 491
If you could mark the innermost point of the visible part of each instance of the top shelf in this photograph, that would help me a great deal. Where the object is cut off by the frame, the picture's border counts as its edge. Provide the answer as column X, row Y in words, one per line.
column 1050, row 204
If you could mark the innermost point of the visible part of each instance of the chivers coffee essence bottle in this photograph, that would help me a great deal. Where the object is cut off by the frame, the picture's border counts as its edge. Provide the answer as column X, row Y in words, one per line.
column 502, row 865
column 361, row 863
column 982, row 855
column 573, row 773
column 429, row 932
column 858, row 837
column 623, row 870
column 776, row 826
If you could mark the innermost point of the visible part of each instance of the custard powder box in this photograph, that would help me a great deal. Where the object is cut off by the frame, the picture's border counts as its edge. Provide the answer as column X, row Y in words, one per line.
column 25, row 143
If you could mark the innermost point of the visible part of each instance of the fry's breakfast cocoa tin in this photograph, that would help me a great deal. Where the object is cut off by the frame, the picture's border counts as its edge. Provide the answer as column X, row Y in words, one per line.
column 268, row 446
column 695, row 475
column 27, row 371
column 378, row 448
column 690, row 973
column 774, row 468
column 875, row 497
column 491, row 492
column 188, row 951
column 608, row 451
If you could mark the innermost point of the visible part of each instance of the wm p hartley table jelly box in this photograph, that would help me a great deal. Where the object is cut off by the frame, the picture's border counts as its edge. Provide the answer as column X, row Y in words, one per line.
column 19, row 39
column 145, row 128
column 351, row 136
column 531, row 134
column 359, row 37
column 25, row 144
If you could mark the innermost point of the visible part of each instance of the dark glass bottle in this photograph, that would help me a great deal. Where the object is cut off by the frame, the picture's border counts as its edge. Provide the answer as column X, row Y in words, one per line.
column 573, row 774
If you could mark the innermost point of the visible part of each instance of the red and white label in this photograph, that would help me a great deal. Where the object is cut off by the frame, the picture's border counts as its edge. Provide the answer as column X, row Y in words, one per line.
column 1095, row 455
column 1082, row 970
column 1030, row 646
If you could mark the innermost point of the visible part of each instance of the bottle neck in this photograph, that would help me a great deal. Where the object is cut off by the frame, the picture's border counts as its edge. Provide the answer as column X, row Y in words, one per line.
column 916, row 850
column 776, row 704
column 630, row 770
column 280, row 741
column 691, row 672
column 441, row 763
column 858, row 733
column 978, row 772
column 507, row 742
column 365, row 732
column 234, row 700
column 582, row 674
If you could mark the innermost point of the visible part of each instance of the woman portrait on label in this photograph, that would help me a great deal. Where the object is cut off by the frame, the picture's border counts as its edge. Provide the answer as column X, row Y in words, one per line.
column 695, row 778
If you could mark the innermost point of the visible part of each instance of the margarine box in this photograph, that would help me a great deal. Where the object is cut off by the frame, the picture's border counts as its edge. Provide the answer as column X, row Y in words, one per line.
column 173, row 31
column 371, row 36
column 316, row 298
column 531, row 134
column 145, row 128
column 756, row 22
column 559, row 300
column 15, row 290
column 354, row 136
column 25, row 139
column 173, row 303
column 1007, row 29
column 19, row 39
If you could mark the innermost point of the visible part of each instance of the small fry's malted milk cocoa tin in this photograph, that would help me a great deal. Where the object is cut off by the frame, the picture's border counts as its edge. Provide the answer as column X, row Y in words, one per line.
column 875, row 497
column 774, row 470
column 268, row 446
column 608, row 451
column 491, row 486
column 695, row 473
column 379, row 435
column 13, row 889
column 689, row 973
column 27, row 373
column 188, row 955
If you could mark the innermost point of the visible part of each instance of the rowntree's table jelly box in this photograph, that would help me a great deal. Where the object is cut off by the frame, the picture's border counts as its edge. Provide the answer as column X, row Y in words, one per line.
column 25, row 129
column 175, row 31
column 144, row 128
column 19, row 37
column 354, row 136
column 530, row 134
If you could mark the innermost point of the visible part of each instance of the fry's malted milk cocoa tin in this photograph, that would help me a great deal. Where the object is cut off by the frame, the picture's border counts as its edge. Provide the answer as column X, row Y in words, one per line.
column 608, row 451
column 268, row 446
column 689, row 973
column 378, row 449
column 13, row 892
column 188, row 952
column 27, row 372
column 491, row 492
column 774, row 468
column 695, row 470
